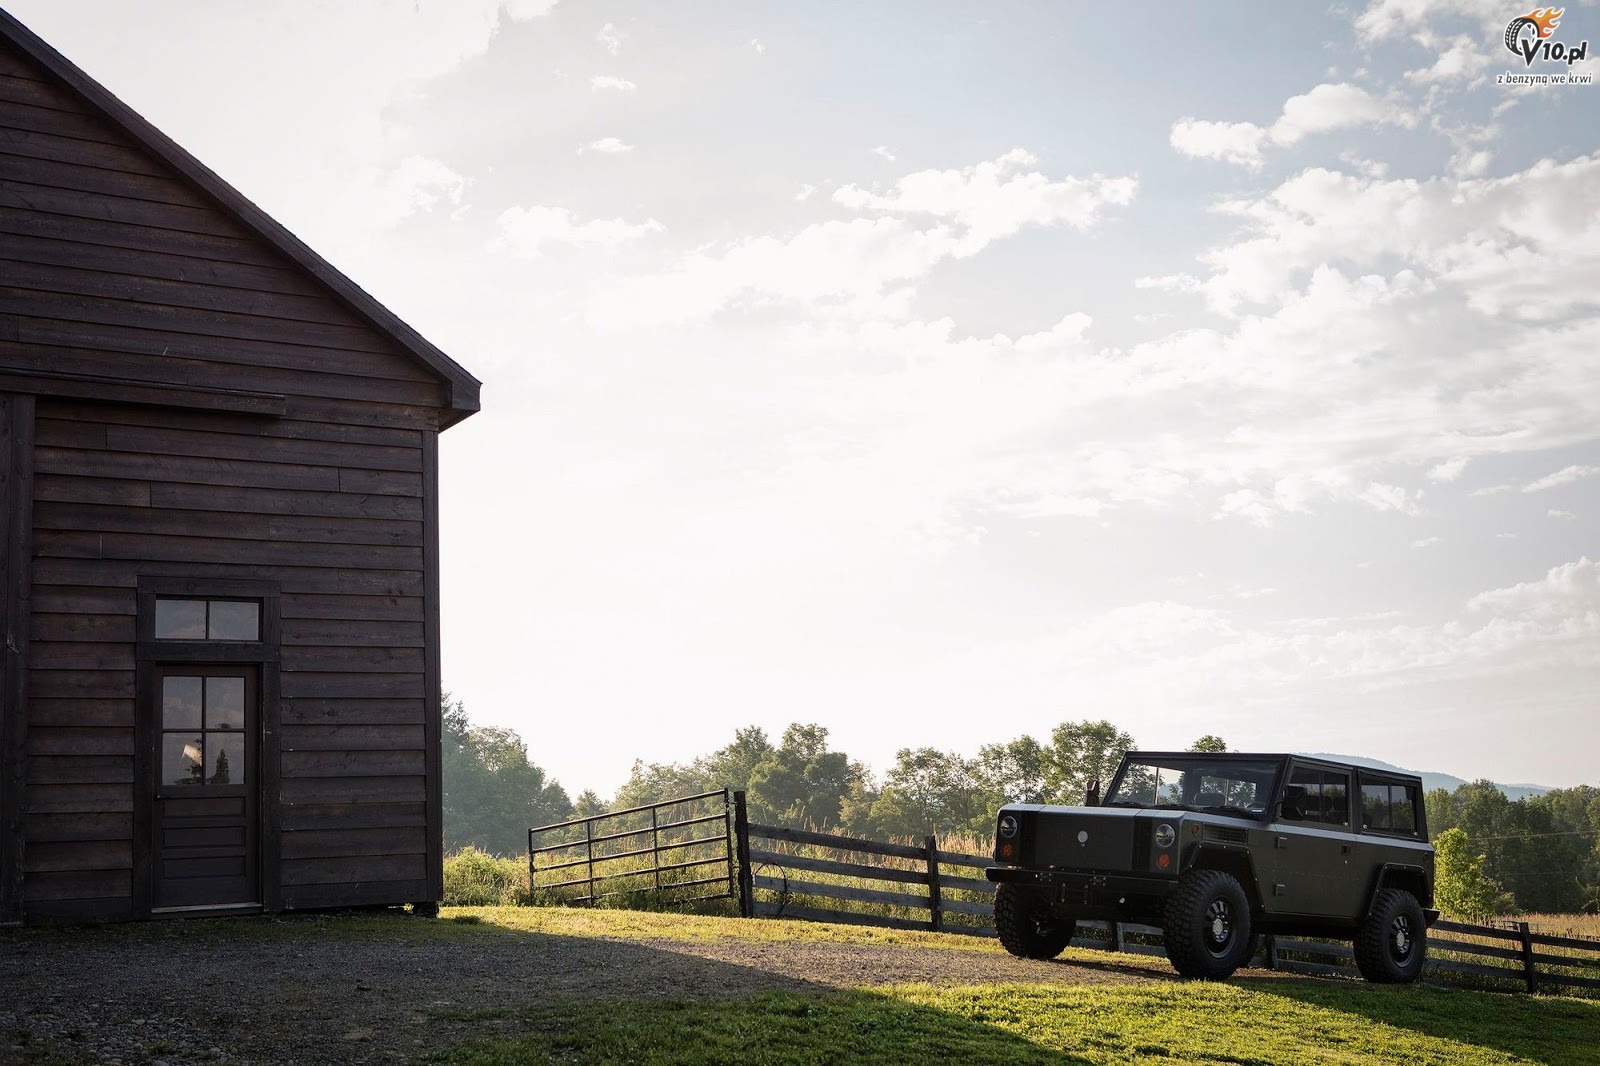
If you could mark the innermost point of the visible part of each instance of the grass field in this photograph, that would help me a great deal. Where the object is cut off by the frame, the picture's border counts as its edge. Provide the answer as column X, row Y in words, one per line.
column 1243, row 1021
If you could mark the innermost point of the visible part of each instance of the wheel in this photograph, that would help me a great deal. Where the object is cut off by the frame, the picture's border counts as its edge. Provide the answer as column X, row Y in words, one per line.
column 1027, row 928
column 1207, row 930
column 1392, row 944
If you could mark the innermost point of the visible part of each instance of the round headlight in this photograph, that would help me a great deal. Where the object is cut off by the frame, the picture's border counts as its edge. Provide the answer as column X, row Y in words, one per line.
column 1165, row 835
column 1008, row 826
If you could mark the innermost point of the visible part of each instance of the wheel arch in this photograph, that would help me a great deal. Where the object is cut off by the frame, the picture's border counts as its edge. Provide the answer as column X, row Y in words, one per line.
column 1235, row 861
column 1405, row 876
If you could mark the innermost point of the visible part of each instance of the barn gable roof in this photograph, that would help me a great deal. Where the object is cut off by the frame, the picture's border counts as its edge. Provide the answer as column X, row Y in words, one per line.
column 461, row 388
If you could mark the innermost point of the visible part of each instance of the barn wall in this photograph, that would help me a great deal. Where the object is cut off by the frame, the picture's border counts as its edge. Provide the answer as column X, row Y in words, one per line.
column 117, row 269
column 345, row 541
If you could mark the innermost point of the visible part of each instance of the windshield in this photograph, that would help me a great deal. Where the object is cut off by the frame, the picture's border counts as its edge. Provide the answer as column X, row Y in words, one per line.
column 1194, row 782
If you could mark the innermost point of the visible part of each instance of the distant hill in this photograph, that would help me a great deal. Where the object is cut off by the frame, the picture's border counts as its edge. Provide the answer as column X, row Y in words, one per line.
column 1431, row 781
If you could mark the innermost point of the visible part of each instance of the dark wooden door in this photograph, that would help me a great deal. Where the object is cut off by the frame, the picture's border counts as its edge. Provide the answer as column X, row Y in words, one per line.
column 207, row 783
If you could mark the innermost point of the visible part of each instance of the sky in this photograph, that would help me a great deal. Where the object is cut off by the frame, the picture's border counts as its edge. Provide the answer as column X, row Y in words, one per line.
column 941, row 372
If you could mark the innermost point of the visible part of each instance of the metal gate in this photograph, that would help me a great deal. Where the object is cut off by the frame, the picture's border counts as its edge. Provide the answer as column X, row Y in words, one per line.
column 622, row 853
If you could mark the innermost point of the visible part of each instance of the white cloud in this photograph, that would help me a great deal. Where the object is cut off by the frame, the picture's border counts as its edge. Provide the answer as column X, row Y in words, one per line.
column 805, row 192
column 882, row 152
column 1229, row 142
column 865, row 265
column 611, row 83
column 524, row 230
column 1325, row 108
column 755, row 42
column 1463, row 60
column 1425, row 542
column 1557, row 513
column 606, row 146
column 1449, row 470
column 1564, row 476
column 1386, row 18
column 610, row 38
column 417, row 184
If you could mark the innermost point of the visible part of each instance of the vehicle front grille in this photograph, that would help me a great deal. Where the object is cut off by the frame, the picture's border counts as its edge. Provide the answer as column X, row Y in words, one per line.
column 1227, row 834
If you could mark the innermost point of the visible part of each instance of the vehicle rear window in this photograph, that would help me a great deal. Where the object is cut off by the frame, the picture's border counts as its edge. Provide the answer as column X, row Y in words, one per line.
column 1389, row 808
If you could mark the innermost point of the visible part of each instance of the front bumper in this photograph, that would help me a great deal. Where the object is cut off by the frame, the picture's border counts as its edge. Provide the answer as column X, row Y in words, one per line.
column 1090, row 882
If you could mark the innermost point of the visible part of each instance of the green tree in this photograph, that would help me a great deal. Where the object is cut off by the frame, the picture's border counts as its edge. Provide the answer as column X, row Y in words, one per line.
column 492, row 794
column 929, row 791
column 801, row 783
column 1081, row 753
column 1210, row 743
column 1461, row 888
column 1013, row 772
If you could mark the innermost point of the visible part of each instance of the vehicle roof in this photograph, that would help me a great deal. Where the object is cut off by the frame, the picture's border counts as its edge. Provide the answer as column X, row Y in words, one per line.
column 1249, row 756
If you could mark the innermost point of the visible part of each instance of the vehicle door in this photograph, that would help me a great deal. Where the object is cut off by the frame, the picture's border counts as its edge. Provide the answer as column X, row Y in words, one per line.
column 1316, row 868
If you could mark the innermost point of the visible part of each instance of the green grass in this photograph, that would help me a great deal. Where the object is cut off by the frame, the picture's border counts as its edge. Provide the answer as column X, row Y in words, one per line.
column 1247, row 1022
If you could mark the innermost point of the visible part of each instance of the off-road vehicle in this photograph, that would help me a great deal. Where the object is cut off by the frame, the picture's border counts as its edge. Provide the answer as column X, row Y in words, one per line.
column 1219, row 849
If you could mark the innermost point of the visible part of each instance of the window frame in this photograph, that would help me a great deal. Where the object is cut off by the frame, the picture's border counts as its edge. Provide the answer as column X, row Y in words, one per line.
column 1323, row 775
column 1419, row 829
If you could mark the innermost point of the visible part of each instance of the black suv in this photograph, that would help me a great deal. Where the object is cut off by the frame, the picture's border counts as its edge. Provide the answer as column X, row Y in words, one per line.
column 1218, row 849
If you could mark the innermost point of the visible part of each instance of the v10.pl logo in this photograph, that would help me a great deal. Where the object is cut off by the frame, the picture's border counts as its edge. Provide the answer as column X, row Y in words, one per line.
column 1529, row 37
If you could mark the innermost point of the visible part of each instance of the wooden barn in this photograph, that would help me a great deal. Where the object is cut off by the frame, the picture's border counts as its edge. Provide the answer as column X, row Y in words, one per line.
column 219, row 582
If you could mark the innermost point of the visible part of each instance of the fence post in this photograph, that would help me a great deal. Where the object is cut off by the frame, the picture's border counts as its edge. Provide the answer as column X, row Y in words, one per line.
column 741, row 839
column 728, row 844
column 655, row 846
column 588, row 836
column 935, row 899
column 1529, row 971
column 531, row 871
column 1119, row 942
column 1272, row 951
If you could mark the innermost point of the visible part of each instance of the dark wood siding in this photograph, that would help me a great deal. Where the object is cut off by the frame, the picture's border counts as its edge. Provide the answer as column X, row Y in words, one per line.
column 118, row 268
column 354, row 720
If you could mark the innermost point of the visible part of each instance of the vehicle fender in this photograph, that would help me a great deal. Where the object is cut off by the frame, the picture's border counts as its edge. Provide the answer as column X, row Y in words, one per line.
column 1229, row 858
column 1412, row 878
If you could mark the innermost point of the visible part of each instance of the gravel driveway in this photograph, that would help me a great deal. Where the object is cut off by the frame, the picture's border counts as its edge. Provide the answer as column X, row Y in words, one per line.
column 313, row 990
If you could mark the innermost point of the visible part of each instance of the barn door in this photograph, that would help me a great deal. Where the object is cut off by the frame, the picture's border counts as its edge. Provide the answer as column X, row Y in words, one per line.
column 205, row 719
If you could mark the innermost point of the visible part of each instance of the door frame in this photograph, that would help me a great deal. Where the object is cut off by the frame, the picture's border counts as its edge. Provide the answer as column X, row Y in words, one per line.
column 264, row 654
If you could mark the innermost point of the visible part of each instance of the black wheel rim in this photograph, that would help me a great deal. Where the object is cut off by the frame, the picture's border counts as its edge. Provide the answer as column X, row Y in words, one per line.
column 1401, row 941
column 1218, row 927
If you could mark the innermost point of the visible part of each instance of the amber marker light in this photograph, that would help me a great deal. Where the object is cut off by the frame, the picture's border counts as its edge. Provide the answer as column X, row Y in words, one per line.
column 1006, row 850
column 1164, row 860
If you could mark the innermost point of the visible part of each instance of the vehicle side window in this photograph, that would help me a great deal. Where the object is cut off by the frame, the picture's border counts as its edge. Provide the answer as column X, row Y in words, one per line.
column 1315, row 795
column 1389, row 808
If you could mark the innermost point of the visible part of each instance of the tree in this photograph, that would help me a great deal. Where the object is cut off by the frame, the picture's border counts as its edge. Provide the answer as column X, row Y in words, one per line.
column 1080, row 753
column 1013, row 772
column 731, row 766
column 801, row 783
column 1209, row 743
column 492, row 794
column 1460, row 886
column 929, row 791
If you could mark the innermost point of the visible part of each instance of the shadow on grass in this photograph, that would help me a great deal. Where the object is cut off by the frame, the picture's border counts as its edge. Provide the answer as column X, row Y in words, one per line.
column 1556, row 1030
column 343, row 988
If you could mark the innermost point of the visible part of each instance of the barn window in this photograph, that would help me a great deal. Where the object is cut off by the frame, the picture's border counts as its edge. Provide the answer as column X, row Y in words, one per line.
column 177, row 619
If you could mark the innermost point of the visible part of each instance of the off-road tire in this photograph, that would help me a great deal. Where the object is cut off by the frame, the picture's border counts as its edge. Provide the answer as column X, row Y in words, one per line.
column 1027, row 928
column 1392, row 944
column 1207, row 925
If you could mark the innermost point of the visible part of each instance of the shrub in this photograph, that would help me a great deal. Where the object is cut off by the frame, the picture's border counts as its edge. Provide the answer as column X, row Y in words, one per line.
column 474, row 878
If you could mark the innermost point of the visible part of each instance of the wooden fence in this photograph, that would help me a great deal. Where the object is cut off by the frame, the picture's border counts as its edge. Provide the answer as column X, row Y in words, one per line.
column 793, row 873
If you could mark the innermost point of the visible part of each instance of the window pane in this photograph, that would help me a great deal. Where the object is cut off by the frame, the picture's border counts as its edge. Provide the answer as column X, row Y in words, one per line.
column 1375, row 806
column 180, row 702
column 231, row 620
column 1302, row 797
column 181, row 760
column 225, row 758
column 224, row 703
column 1403, row 808
column 1336, row 799
column 180, row 619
